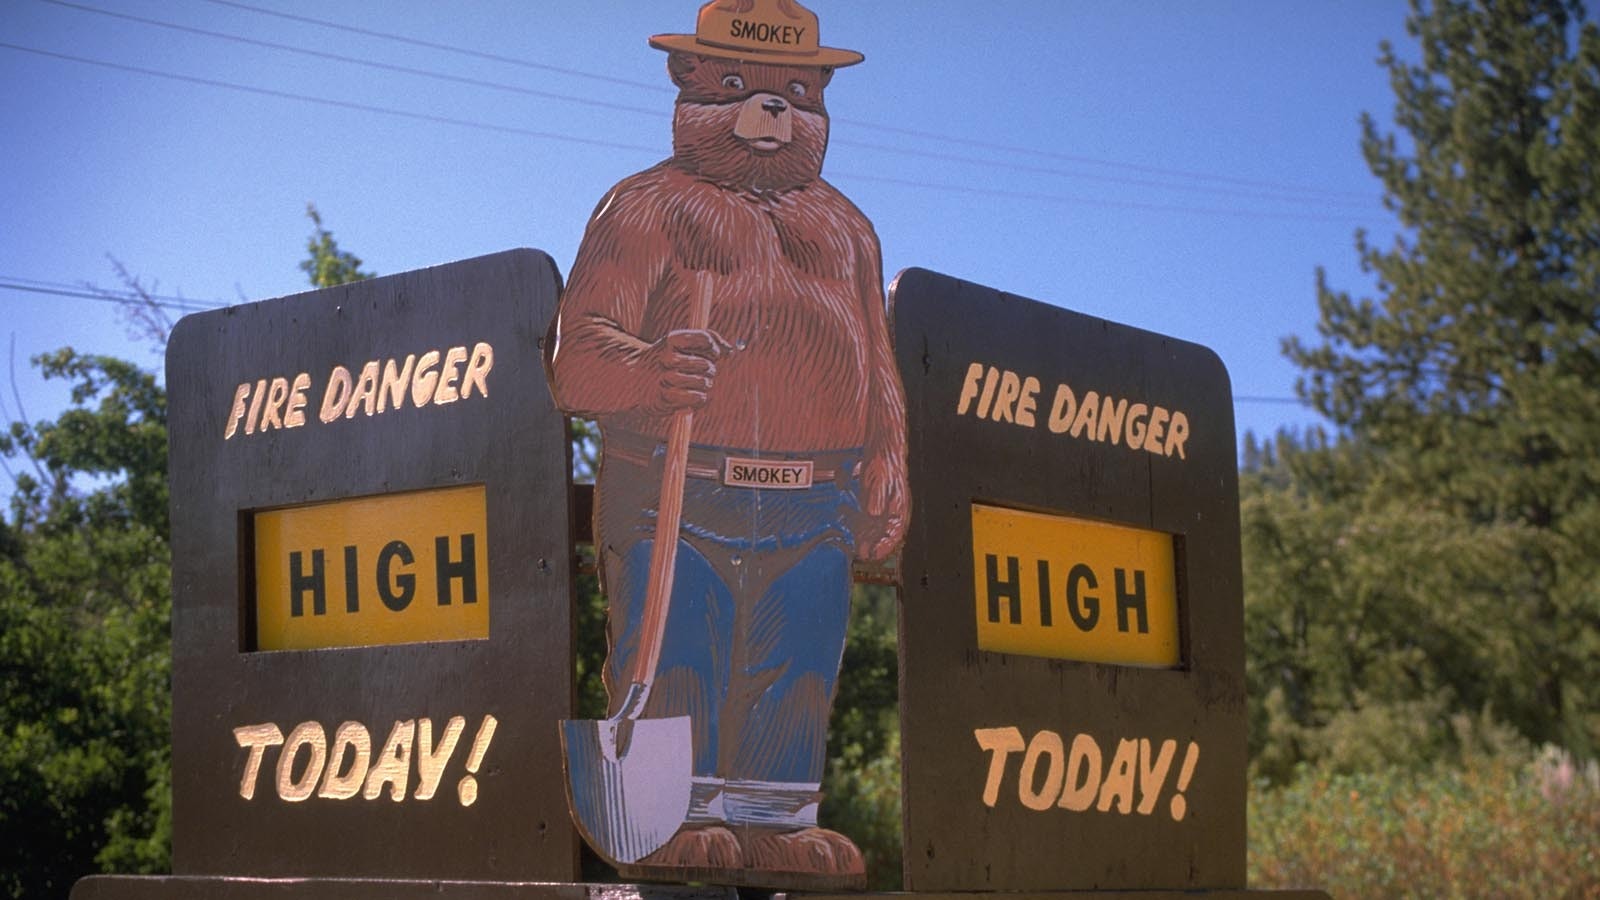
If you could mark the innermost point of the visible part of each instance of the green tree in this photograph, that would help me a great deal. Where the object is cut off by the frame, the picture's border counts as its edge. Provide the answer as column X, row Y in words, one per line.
column 85, row 600
column 1366, row 617
column 1442, row 556
column 327, row 265
column 862, row 779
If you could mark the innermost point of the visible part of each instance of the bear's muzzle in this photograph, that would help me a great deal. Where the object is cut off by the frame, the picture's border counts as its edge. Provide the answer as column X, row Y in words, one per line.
column 766, row 121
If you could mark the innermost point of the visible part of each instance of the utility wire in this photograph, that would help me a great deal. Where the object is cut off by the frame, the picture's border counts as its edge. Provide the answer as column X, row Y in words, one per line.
column 1333, row 193
column 1278, row 196
column 89, row 286
column 1110, row 179
column 909, row 132
column 107, row 296
column 636, row 148
column 371, row 64
column 1071, row 200
column 337, row 104
column 1257, row 398
column 465, row 51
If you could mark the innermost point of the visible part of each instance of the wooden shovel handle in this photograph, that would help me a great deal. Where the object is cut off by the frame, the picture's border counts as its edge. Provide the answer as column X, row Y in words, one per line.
column 669, row 513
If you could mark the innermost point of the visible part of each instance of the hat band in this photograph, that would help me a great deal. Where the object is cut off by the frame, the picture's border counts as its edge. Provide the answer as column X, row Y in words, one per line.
column 759, row 49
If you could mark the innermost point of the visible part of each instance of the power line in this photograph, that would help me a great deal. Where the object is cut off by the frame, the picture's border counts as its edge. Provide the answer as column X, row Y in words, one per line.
column 1342, row 195
column 635, row 148
column 337, row 104
column 107, row 296
column 88, row 286
column 1278, row 195
column 1111, row 179
column 1071, row 200
column 372, row 64
column 465, row 51
column 909, row 132
column 1257, row 398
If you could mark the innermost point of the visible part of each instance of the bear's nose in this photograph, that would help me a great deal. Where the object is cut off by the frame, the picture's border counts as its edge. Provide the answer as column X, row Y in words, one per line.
column 774, row 105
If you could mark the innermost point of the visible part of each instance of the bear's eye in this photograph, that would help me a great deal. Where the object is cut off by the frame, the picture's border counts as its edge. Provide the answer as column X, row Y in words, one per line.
column 797, row 88
column 733, row 82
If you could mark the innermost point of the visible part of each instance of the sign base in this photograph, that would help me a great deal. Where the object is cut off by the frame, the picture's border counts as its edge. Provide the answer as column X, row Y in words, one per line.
column 221, row 887
column 764, row 880
column 191, row 887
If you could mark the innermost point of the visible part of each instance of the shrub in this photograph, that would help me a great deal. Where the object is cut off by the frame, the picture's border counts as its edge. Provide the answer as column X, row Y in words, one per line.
column 1499, row 826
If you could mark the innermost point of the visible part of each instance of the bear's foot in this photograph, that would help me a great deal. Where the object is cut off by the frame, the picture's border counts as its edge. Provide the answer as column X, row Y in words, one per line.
column 810, row 850
column 699, row 847
column 812, row 859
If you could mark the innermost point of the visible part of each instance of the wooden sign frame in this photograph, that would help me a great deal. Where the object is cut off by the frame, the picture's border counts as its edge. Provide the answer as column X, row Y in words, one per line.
column 1110, row 799
column 459, row 737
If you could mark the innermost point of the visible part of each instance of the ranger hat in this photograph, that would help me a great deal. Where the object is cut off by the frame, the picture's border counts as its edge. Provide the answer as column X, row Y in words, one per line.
column 768, row 31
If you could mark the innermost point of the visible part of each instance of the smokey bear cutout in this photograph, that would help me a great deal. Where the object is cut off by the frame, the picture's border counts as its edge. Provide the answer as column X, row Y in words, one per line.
column 725, row 325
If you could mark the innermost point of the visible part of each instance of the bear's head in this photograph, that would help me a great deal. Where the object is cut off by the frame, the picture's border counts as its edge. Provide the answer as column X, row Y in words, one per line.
column 749, row 126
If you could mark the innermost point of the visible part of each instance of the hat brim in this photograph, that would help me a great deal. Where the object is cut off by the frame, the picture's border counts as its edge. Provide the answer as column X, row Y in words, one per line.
column 825, row 56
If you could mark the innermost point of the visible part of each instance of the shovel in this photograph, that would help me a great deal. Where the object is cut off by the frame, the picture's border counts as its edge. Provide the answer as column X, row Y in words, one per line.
column 629, row 778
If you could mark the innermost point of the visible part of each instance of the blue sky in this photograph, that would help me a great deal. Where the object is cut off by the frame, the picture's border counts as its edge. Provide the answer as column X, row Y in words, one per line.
column 1181, row 167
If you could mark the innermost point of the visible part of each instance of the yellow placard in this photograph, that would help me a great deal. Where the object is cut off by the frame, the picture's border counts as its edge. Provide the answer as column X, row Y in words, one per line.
column 1069, row 588
column 391, row 569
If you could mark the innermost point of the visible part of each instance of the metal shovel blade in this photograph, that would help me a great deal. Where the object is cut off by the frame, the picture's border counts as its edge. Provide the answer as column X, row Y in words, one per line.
column 628, row 782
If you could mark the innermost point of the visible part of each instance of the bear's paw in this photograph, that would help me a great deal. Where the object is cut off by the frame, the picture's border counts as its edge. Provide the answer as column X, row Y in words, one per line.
column 812, row 850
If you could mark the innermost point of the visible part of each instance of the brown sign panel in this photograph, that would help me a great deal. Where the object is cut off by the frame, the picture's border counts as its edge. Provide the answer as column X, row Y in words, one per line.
column 371, row 536
column 1072, row 660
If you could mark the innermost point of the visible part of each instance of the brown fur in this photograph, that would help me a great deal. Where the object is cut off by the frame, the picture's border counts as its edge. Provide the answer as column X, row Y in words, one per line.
column 802, row 359
column 703, row 138
column 699, row 846
column 806, row 850
column 795, row 359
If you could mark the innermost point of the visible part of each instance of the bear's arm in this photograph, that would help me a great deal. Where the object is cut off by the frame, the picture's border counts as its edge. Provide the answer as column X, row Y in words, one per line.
column 624, row 254
column 886, row 497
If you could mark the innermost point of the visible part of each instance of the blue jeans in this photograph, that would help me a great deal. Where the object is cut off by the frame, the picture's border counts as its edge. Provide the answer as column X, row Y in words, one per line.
column 755, row 633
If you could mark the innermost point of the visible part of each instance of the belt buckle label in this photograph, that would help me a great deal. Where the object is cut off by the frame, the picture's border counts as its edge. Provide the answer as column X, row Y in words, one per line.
column 772, row 474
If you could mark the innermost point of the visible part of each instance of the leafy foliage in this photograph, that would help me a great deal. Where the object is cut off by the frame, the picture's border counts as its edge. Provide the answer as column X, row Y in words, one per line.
column 326, row 265
column 85, row 601
column 862, row 776
column 1498, row 827
column 1369, row 621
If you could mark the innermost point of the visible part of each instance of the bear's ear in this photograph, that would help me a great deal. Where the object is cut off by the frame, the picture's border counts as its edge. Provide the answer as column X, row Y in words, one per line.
column 681, row 65
column 825, row 76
